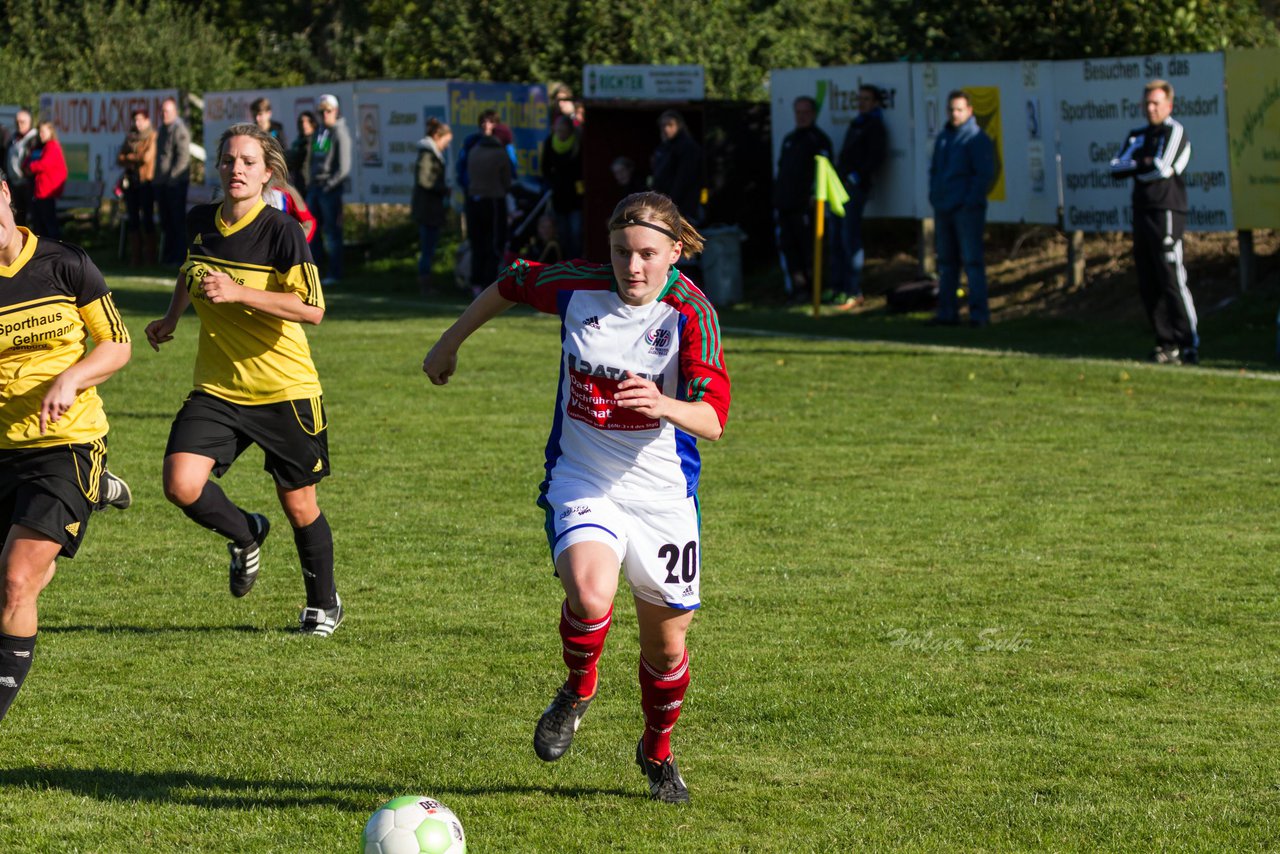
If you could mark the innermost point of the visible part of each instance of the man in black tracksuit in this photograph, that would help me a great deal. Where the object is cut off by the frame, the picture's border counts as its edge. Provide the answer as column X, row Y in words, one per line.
column 1156, row 157
column 793, row 199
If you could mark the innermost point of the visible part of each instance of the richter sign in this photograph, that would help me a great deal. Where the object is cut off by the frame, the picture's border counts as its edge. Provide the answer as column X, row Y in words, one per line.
column 644, row 82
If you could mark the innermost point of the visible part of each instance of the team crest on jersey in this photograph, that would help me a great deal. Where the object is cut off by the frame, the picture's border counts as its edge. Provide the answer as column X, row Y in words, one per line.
column 659, row 341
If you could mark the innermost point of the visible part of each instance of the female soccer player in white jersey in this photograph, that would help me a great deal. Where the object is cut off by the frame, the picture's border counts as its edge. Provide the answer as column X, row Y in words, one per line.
column 53, row 431
column 250, row 276
column 642, row 377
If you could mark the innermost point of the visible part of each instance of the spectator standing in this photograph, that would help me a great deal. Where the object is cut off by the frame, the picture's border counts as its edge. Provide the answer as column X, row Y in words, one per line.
column 330, row 166
column 562, row 176
column 1156, row 156
column 20, row 145
column 490, row 175
column 862, row 154
column 562, row 104
column 626, row 177
column 299, row 153
column 960, row 176
column 430, row 197
column 793, row 198
column 138, row 157
column 486, row 122
column 677, row 166
column 172, row 179
column 261, row 109
column 48, row 170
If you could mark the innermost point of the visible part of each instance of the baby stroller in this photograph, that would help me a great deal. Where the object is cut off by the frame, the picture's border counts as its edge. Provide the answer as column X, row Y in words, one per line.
column 526, row 201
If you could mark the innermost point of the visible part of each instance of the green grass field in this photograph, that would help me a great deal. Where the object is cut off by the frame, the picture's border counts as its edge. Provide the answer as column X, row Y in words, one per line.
column 954, row 599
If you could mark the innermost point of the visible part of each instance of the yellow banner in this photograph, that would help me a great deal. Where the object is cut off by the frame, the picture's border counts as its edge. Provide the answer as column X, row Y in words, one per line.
column 1253, row 136
column 986, row 109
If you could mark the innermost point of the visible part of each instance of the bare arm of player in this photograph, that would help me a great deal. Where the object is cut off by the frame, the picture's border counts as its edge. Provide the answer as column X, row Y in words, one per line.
column 218, row 287
column 695, row 417
column 161, row 331
column 103, row 360
column 442, row 359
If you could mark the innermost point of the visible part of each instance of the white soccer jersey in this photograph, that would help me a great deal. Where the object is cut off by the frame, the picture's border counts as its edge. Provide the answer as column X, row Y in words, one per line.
column 673, row 341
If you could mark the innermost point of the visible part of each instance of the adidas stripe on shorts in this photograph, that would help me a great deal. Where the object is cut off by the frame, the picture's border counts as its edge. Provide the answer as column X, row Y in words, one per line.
column 53, row 490
column 293, row 435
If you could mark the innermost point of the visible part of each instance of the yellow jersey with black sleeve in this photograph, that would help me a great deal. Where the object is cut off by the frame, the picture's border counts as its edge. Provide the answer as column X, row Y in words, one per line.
column 52, row 298
column 245, row 356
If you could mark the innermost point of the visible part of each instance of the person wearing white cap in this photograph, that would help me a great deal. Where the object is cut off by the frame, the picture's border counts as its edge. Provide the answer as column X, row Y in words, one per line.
column 330, row 166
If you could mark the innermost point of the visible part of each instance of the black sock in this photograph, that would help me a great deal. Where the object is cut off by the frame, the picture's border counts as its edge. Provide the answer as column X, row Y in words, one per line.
column 315, row 552
column 15, row 662
column 215, row 511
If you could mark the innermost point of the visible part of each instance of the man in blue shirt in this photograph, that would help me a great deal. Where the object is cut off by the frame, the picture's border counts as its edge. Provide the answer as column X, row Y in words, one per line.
column 960, row 175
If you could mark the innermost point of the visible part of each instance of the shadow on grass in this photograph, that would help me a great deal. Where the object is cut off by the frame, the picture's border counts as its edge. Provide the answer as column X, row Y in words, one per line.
column 116, row 628
column 216, row 792
column 1240, row 335
column 352, row 300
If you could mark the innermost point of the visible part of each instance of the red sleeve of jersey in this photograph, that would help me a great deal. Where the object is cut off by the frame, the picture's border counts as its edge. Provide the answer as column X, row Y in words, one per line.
column 701, row 356
column 306, row 220
column 536, row 284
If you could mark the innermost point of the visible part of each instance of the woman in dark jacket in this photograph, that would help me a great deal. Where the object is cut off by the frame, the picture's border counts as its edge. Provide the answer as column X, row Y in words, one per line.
column 298, row 157
column 866, row 145
column 562, row 175
column 429, row 195
column 677, row 166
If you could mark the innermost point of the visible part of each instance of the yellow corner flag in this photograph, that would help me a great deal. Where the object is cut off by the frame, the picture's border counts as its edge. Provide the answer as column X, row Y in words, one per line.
column 830, row 188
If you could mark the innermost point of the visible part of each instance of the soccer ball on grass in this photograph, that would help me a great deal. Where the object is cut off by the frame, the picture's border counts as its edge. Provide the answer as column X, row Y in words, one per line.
column 413, row 825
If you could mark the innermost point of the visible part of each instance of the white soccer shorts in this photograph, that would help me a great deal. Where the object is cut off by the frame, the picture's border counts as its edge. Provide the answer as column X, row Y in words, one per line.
column 657, row 543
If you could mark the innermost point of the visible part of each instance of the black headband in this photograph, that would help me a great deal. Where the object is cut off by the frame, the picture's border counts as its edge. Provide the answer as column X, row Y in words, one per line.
column 627, row 223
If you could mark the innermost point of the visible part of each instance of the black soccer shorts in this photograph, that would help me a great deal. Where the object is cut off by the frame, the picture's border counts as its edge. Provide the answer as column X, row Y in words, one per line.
column 293, row 435
column 52, row 490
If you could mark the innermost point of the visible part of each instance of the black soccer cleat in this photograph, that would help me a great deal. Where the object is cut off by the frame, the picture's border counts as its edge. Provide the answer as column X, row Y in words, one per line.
column 113, row 492
column 555, row 729
column 244, row 561
column 665, row 782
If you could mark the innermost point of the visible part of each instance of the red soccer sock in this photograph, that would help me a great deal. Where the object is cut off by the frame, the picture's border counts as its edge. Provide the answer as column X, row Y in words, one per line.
column 661, row 695
column 582, row 643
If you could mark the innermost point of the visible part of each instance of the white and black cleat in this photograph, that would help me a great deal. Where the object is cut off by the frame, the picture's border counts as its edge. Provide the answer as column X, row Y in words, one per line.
column 320, row 622
column 244, row 561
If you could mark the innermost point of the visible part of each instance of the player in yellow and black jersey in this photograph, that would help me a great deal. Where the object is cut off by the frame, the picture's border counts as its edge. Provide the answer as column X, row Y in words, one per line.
column 249, row 274
column 53, row 431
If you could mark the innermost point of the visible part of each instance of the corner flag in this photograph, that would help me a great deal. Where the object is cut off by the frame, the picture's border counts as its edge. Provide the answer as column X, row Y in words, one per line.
column 829, row 188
